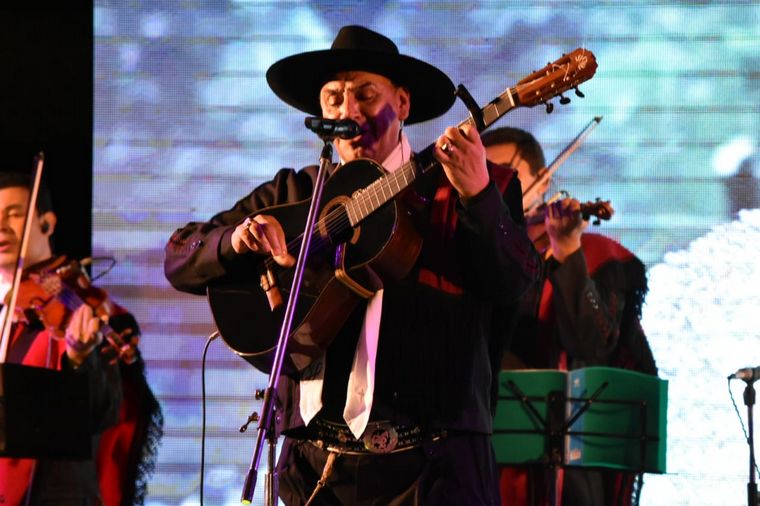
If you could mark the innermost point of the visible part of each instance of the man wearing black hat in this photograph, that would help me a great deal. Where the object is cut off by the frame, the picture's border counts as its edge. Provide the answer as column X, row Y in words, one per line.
column 397, row 410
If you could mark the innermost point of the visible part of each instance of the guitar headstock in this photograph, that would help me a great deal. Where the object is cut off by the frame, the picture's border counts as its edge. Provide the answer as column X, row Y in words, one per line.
column 601, row 210
column 557, row 77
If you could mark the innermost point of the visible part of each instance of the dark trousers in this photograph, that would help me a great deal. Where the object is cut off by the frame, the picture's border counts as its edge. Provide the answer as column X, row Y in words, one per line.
column 456, row 470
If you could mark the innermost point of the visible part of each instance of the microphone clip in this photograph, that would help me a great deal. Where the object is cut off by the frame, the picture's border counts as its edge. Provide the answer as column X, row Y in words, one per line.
column 329, row 129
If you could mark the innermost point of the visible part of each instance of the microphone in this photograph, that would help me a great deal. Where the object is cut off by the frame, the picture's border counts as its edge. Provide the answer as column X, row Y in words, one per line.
column 343, row 128
column 749, row 374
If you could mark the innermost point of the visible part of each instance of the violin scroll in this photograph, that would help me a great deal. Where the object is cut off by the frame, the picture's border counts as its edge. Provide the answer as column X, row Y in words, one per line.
column 601, row 210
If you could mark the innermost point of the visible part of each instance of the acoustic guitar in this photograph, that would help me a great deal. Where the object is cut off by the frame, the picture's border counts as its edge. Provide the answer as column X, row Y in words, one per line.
column 363, row 234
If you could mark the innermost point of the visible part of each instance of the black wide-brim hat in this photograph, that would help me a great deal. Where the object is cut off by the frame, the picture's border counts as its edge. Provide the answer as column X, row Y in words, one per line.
column 298, row 79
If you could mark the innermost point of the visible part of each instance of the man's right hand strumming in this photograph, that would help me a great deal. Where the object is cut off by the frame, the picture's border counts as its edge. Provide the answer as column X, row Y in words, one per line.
column 262, row 234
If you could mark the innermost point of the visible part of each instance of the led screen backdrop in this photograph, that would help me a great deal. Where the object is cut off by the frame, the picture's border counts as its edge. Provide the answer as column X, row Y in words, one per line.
column 185, row 124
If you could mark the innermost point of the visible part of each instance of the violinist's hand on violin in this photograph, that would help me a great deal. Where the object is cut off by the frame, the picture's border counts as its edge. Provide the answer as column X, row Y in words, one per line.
column 564, row 226
column 463, row 157
column 82, row 334
column 262, row 234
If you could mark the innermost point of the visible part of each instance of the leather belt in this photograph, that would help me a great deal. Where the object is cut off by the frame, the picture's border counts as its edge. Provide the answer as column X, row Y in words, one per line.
column 380, row 437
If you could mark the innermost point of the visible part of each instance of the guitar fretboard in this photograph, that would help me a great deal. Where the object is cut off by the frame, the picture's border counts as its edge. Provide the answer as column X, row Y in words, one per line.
column 367, row 200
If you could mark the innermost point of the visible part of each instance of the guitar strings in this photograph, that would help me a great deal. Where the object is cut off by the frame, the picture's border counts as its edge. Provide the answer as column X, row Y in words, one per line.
column 334, row 221
column 337, row 219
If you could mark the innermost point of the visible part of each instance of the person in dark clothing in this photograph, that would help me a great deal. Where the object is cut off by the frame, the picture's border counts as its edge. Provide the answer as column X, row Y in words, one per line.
column 83, row 350
column 584, row 311
column 395, row 407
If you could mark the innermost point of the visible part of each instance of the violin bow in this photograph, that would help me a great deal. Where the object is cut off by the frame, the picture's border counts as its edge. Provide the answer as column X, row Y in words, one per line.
column 530, row 194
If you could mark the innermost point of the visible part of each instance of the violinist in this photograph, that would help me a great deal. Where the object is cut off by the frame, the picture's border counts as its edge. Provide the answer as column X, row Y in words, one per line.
column 78, row 346
column 584, row 311
column 396, row 410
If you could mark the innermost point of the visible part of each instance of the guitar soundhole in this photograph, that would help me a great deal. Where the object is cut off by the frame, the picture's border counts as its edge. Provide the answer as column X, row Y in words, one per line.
column 334, row 225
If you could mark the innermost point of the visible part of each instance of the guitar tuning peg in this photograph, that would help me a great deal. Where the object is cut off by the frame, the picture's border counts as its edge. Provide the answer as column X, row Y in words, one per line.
column 579, row 92
column 596, row 222
column 564, row 100
column 549, row 107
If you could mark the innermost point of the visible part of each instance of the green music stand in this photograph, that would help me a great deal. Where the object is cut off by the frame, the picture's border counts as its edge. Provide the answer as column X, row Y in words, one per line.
column 592, row 417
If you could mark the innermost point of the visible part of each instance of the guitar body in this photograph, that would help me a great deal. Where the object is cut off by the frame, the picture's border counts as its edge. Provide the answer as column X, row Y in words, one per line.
column 385, row 244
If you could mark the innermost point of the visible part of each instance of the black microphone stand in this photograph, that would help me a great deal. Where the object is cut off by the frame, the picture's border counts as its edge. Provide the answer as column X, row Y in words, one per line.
column 266, row 429
column 749, row 401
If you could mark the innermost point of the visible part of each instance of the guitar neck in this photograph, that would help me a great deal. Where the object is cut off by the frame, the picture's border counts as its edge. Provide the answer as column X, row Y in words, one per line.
column 367, row 200
column 540, row 86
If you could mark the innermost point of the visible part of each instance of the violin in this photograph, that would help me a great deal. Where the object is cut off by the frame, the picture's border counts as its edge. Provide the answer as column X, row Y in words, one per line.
column 600, row 210
column 51, row 290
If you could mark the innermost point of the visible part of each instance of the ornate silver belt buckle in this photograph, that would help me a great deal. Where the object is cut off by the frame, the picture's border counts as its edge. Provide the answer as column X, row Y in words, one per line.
column 380, row 437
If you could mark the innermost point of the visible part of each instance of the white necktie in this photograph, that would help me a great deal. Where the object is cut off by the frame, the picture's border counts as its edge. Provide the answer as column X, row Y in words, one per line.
column 361, row 381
